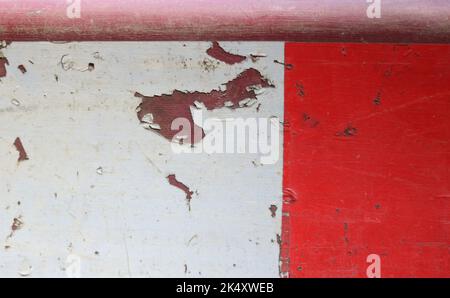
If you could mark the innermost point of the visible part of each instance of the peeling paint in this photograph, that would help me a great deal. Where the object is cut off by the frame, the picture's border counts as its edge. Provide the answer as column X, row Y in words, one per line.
column 217, row 52
column 166, row 108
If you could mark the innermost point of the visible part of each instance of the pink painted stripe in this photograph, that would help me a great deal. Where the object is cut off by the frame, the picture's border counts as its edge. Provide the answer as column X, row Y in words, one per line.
column 285, row 20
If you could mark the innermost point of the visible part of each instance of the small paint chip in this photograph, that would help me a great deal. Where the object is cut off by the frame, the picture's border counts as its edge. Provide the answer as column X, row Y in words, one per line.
column 273, row 210
column 19, row 147
column 22, row 68
column 17, row 224
column 174, row 182
column 217, row 52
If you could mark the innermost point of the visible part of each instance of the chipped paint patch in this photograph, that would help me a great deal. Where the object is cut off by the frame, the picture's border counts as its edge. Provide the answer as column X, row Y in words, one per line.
column 217, row 52
column 164, row 109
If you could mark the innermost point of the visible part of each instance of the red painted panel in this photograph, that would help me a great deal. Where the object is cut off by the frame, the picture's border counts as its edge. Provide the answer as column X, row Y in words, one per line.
column 367, row 160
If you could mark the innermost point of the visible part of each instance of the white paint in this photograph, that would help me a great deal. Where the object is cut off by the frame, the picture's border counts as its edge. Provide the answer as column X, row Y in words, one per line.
column 138, row 223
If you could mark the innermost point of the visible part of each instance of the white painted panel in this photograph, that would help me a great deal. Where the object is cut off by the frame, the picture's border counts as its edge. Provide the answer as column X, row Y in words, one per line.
column 129, row 221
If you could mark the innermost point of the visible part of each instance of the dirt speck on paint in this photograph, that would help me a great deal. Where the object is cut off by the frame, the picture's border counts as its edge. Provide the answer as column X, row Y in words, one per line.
column 256, row 57
column 349, row 131
column 310, row 121
column 22, row 153
column 159, row 112
column 209, row 65
column 273, row 210
column 174, row 182
column 217, row 52
column 16, row 225
column 346, row 233
column 377, row 99
column 288, row 66
column 300, row 89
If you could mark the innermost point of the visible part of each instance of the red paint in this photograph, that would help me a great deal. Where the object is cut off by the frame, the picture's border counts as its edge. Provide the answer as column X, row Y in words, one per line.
column 166, row 108
column 306, row 20
column 3, row 63
column 22, row 68
column 19, row 147
column 372, row 177
column 217, row 52
column 174, row 182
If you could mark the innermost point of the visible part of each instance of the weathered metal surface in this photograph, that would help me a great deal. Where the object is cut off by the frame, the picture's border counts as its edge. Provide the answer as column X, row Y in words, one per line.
column 283, row 20
column 86, row 190
column 366, row 165
column 93, row 198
